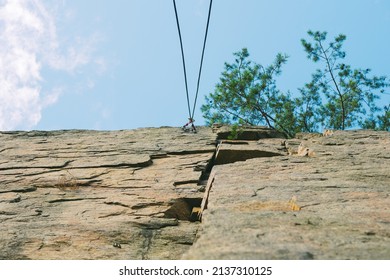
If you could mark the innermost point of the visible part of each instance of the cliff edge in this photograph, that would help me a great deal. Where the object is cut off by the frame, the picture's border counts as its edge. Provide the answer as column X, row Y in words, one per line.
column 161, row 193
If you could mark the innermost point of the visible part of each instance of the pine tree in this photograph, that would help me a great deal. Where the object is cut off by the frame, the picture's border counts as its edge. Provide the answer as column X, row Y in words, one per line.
column 247, row 94
column 350, row 94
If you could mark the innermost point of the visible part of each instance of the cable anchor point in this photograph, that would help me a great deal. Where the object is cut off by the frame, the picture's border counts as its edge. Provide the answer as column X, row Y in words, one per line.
column 189, row 126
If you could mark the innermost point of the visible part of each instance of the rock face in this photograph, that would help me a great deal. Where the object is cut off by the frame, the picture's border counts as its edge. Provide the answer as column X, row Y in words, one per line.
column 331, row 203
column 137, row 195
column 76, row 194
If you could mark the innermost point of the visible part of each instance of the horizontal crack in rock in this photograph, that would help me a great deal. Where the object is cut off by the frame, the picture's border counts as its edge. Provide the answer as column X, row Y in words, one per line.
column 185, row 182
column 20, row 190
column 117, row 204
column 144, row 205
column 8, row 213
column 189, row 152
column 38, row 167
column 231, row 156
column 157, row 223
column 117, row 165
column 111, row 215
column 75, row 199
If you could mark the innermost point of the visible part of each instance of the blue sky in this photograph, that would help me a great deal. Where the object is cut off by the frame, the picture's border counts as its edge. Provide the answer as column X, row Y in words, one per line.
column 97, row 64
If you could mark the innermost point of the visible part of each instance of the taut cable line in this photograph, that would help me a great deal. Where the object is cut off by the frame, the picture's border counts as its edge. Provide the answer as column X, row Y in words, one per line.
column 192, row 113
column 183, row 59
column 201, row 60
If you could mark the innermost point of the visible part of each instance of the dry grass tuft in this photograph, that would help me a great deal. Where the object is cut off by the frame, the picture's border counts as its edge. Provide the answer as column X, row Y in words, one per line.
column 283, row 206
column 67, row 182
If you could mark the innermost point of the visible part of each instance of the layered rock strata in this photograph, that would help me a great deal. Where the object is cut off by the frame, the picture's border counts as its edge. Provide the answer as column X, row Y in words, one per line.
column 139, row 194
column 327, row 198
column 100, row 195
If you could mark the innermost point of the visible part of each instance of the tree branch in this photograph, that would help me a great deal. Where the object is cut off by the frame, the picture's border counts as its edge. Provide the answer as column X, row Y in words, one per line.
column 343, row 116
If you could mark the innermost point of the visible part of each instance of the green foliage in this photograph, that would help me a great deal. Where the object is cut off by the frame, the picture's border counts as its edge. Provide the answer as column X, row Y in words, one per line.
column 235, row 132
column 350, row 94
column 337, row 97
column 381, row 122
column 384, row 120
column 247, row 94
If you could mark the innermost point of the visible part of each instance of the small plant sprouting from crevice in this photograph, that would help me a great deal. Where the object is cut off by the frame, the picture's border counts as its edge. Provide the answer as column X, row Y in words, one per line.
column 235, row 132
column 67, row 182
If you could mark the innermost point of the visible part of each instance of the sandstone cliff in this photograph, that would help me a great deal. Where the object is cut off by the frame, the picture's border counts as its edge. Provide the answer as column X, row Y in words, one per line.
column 139, row 194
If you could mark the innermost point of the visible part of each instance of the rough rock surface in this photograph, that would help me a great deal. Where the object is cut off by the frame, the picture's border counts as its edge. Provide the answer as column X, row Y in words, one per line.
column 333, row 204
column 100, row 195
column 129, row 195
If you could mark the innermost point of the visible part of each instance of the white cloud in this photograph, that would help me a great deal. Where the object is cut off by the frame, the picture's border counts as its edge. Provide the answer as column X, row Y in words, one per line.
column 28, row 42
column 75, row 55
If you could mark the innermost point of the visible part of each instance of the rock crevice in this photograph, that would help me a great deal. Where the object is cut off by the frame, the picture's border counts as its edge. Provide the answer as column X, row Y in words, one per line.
column 140, row 194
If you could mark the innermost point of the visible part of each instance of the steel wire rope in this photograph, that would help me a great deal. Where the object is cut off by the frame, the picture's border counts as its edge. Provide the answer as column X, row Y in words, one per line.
column 183, row 59
column 201, row 60
column 192, row 113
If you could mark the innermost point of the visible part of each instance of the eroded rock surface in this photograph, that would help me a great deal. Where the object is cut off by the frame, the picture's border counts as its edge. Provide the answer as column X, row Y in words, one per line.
column 333, row 204
column 132, row 194
column 100, row 195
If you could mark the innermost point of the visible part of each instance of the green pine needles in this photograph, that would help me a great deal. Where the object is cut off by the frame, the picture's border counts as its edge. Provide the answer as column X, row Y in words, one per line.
column 337, row 97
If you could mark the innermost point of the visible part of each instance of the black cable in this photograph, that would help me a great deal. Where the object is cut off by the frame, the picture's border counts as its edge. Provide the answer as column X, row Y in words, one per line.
column 201, row 60
column 182, row 54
